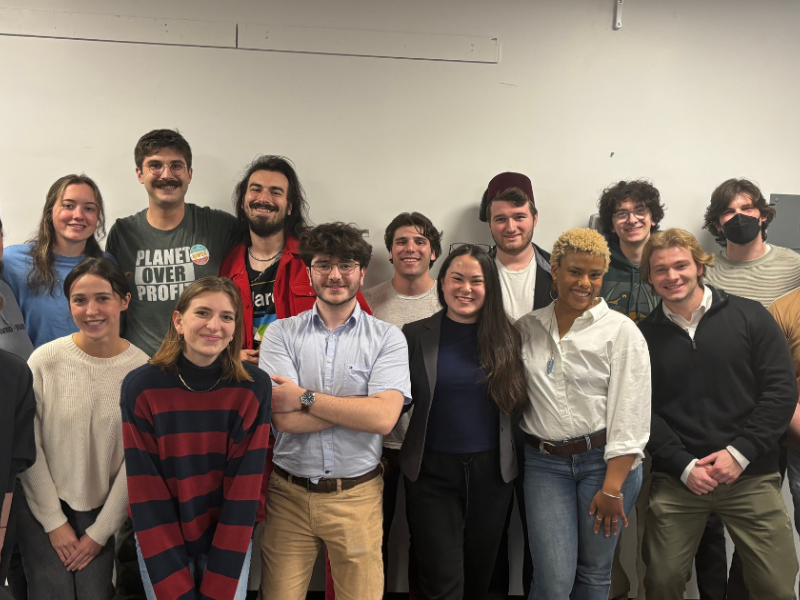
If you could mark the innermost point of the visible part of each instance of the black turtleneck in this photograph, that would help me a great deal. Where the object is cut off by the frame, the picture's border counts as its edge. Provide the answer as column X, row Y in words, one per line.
column 199, row 378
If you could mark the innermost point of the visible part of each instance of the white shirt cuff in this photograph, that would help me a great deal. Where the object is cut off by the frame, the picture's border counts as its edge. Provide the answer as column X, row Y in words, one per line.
column 743, row 462
column 688, row 470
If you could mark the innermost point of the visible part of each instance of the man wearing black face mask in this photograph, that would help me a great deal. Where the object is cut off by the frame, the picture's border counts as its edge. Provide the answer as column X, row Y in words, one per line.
column 738, row 217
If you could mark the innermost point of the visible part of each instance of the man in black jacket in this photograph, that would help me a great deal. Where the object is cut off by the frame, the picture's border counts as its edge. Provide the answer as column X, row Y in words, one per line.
column 724, row 393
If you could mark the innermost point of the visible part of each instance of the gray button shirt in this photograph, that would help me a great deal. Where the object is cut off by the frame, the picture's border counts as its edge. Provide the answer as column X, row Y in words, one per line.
column 363, row 357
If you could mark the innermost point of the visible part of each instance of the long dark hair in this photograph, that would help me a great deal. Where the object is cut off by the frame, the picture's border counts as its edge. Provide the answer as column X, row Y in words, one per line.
column 499, row 342
column 42, row 274
column 297, row 221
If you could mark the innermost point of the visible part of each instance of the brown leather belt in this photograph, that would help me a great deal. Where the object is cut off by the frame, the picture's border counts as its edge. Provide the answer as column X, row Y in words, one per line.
column 568, row 447
column 327, row 486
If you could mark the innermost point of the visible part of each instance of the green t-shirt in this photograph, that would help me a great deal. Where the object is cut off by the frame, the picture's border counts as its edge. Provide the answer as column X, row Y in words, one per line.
column 160, row 264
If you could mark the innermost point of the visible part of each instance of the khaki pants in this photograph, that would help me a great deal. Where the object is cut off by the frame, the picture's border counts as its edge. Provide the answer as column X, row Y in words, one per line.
column 752, row 510
column 620, row 585
column 349, row 523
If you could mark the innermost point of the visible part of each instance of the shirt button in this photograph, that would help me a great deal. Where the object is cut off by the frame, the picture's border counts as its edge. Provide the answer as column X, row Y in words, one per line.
column 330, row 360
column 327, row 445
column 329, row 389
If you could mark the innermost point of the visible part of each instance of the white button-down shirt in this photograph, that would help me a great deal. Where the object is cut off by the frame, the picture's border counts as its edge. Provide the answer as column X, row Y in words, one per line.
column 600, row 379
column 690, row 327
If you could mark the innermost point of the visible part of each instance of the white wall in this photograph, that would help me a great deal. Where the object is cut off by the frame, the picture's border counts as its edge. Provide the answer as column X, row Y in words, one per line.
column 687, row 93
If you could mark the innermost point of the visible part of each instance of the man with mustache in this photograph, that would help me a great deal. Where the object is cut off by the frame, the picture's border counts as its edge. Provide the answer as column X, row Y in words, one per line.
column 169, row 244
column 164, row 248
column 738, row 216
column 266, row 265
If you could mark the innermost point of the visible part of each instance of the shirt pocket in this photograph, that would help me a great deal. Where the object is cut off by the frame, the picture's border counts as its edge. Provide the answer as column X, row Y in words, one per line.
column 303, row 290
column 356, row 380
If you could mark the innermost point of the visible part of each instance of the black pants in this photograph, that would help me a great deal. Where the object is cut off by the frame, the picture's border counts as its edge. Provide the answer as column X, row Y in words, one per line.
column 457, row 512
column 499, row 586
column 391, row 484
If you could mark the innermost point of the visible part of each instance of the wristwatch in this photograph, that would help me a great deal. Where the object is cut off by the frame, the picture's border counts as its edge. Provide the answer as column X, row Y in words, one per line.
column 307, row 398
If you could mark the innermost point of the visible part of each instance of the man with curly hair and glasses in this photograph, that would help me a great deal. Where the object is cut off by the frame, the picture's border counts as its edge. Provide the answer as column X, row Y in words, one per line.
column 342, row 380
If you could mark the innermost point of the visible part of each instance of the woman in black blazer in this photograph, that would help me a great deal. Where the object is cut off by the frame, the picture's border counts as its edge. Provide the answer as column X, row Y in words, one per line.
column 458, row 458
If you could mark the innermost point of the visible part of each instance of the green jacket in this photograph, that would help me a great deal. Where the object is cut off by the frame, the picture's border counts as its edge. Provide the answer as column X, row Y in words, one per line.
column 623, row 288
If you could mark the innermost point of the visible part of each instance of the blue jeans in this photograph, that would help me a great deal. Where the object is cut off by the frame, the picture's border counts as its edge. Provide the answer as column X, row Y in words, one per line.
column 570, row 560
column 197, row 566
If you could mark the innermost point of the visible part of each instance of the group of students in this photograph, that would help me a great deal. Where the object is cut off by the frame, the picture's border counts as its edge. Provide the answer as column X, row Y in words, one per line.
column 209, row 372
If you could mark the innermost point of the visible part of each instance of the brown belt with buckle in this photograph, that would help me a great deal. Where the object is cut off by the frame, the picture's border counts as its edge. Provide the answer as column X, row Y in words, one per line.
column 327, row 486
column 569, row 447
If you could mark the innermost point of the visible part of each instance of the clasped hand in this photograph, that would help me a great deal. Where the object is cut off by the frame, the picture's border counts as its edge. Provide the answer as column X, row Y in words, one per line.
column 75, row 554
column 714, row 469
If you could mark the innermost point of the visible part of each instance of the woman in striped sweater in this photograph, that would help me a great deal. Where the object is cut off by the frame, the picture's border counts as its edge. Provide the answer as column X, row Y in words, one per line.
column 76, row 490
column 196, row 427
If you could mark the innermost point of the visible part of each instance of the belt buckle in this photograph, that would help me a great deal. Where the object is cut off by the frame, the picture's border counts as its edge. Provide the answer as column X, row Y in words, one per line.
column 308, row 484
column 542, row 449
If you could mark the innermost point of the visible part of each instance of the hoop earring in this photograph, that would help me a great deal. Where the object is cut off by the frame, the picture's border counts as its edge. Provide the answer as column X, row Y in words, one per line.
column 554, row 289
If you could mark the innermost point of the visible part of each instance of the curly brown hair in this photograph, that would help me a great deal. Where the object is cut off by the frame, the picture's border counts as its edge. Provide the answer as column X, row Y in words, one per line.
column 639, row 191
column 336, row 240
column 422, row 224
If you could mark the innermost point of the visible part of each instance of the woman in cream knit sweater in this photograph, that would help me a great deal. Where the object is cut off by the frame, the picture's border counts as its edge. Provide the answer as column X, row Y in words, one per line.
column 76, row 491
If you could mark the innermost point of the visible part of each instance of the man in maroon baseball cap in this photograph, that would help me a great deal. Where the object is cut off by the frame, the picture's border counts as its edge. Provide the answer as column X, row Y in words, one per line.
column 509, row 209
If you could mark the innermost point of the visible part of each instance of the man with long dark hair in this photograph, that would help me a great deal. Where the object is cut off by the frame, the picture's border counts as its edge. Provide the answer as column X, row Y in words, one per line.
column 342, row 380
column 265, row 265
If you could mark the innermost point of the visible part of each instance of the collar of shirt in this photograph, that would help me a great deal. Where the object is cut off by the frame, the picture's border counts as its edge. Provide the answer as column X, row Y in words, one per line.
column 594, row 314
column 697, row 314
column 351, row 320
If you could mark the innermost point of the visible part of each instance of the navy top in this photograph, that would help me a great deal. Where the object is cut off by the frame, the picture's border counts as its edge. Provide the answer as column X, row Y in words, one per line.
column 462, row 418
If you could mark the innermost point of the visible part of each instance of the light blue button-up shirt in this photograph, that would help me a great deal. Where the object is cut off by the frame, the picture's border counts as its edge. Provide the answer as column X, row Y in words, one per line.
column 363, row 357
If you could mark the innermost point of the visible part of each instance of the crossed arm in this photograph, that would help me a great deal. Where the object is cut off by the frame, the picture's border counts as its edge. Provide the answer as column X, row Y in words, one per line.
column 377, row 413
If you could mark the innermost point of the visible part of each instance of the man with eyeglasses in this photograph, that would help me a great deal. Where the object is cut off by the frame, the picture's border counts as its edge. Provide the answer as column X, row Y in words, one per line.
column 524, row 268
column 414, row 244
column 169, row 244
column 629, row 212
column 342, row 380
column 164, row 247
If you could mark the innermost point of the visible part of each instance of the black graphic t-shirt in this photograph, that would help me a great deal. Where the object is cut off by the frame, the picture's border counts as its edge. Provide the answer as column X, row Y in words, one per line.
column 261, row 286
column 160, row 264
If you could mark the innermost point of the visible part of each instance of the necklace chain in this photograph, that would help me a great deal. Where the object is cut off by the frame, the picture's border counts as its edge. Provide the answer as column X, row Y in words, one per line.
column 198, row 391
column 264, row 260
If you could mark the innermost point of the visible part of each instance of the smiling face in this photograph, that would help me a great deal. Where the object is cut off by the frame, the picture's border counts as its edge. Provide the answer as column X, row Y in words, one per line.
column 464, row 289
column 675, row 275
column 265, row 202
column 511, row 226
column 96, row 308
column 207, row 327
column 411, row 253
column 75, row 215
column 579, row 277
column 336, row 288
column 165, row 176
column 632, row 222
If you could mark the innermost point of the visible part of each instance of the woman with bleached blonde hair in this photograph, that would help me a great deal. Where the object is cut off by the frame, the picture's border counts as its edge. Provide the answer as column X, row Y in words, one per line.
column 586, row 424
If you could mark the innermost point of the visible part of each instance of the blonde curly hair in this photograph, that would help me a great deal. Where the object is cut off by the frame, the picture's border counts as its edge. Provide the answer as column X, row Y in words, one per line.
column 581, row 239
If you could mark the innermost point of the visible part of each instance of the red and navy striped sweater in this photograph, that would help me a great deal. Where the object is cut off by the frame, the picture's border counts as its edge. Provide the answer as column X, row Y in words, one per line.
column 195, row 463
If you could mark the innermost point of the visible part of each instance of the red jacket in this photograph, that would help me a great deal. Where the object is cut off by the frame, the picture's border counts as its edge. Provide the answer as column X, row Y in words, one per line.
column 292, row 292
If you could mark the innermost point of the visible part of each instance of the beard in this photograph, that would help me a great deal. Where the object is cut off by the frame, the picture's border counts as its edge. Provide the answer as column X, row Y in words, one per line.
column 352, row 293
column 525, row 243
column 263, row 228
